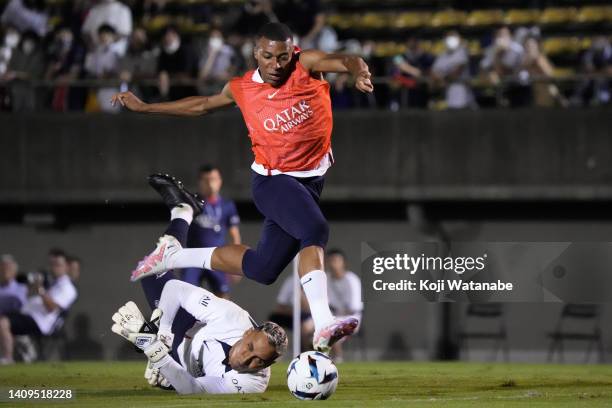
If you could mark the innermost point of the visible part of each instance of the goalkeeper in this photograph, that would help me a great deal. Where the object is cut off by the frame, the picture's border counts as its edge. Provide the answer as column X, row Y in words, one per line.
column 197, row 342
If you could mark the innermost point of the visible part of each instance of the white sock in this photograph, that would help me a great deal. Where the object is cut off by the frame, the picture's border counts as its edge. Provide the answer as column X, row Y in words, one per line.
column 192, row 258
column 314, row 284
column 182, row 211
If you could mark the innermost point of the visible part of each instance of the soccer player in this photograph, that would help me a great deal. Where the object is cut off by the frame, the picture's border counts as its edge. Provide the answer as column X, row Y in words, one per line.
column 209, row 229
column 286, row 106
column 197, row 342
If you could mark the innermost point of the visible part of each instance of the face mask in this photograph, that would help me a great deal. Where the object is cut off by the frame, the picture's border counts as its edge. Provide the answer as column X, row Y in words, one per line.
column 11, row 40
column 215, row 43
column 28, row 47
column 452, row 42
column 172, row 47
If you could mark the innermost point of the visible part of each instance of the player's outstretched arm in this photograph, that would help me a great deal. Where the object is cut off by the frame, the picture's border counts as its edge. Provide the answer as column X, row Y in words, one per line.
column 184, row 383
column 319, row 61
column 191, row 106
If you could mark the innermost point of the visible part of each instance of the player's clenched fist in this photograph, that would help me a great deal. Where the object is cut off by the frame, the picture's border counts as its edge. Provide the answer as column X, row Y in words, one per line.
column 363, row 82
column 129, row 101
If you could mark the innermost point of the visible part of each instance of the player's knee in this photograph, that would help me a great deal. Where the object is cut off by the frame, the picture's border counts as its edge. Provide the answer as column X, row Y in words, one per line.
column 5, row 323
column 260, row 270
column 318, row 232
column 265, row 276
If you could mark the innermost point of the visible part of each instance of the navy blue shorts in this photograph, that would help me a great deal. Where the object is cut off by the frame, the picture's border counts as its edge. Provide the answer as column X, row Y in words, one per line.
column 218, row 282
column 293, row 220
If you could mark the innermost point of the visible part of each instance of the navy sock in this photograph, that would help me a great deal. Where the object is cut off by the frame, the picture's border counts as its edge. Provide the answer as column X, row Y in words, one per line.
column 178, row 228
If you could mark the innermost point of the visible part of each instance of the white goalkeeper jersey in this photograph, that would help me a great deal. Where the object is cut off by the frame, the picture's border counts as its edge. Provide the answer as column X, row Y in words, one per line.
column 204, row 351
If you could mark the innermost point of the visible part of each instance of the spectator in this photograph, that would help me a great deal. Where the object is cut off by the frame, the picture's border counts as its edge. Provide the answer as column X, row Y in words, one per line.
column 304, row 17
column 596, row 61
column 139, row 63
column 254, row 14
column 218, row 220
column 103, row 63
column 283, row 313
column 503, row 58
column 503, row 61
column 27, row 64
column 216, row 64
column 410, row 71
column 66, row 58
column 451, row 69
column 344, row 292
column 536, row 65
column 74, row 268
column 113, row 13
column 175, row 61
column 344, row 296
column 12, row 293
column 41, row 310
column 9, row 44
column 321, row 36
column 26, row 15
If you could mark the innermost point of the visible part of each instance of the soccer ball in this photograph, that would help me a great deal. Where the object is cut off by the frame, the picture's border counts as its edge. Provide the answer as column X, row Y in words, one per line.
column 311, row 376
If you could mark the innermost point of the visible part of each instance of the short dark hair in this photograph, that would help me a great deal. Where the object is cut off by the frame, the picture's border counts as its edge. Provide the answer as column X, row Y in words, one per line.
column 336, row 251
column 73, row 258
column 58, row 253
column 207, row 168
column 275, row 32
column 107, row 28
column 170, row 27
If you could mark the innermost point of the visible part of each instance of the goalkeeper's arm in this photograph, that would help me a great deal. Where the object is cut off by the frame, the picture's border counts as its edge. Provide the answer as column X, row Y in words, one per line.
column 184, row 383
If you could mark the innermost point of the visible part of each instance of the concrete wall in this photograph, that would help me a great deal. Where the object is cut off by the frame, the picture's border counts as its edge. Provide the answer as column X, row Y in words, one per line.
column 392, row 330
column 532, row 154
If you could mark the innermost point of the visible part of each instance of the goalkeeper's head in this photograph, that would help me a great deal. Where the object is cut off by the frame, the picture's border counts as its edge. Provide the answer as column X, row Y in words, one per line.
column 258, row 348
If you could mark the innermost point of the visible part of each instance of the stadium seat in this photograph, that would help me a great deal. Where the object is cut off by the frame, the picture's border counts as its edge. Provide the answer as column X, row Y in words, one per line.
column 561, row 45
column 410, row 20
column 388, row 49
column 157, row 23
column 592, row 15
column 554, row 15
column 479, row 18
column 577, row 323
column 437, row 47
column 341, row 21
column 448, row 18
column 521, row 16
column 474, row 47
column 559, row 72
column 373, row 21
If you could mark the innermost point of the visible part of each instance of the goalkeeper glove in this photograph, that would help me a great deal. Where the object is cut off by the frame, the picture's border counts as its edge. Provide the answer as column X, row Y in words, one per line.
column 132, row 326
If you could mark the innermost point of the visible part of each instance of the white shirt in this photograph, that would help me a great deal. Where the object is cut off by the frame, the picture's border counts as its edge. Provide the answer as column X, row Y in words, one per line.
column 63, row 294
column 113, row 13
column 14, row 289
column 344, row 295
column 203, row 353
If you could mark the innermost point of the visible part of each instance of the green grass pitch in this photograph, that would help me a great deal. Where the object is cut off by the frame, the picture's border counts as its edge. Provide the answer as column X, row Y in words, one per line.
column 375, row 384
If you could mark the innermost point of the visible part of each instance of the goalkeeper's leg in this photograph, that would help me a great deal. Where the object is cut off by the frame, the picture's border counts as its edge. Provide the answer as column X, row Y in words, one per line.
column 153, row 286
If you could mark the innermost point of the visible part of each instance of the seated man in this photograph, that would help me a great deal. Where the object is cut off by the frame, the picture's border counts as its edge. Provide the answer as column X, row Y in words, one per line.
column 344, row 291
column 12, row 293
column 42, row 308
column 283, row 312
column 203, row 344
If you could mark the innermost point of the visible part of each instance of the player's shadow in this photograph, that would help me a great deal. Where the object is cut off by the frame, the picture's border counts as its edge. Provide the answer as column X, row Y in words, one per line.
column 397, row 348
column 82, row 346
